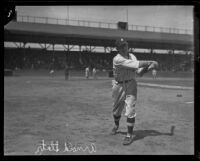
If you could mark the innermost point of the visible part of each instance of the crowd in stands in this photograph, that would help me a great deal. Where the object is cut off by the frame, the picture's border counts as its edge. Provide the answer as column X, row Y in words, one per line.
column 169, row 62
column 18, row 58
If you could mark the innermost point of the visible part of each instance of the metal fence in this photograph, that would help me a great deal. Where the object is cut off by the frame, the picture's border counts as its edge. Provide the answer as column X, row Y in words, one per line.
column 98, row 24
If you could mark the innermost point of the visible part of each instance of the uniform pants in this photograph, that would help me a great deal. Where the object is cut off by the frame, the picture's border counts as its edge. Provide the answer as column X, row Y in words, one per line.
column 124, row 96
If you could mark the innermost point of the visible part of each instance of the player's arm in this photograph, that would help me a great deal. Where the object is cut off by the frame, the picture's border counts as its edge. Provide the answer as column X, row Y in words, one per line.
column 141, row 71
column 146, row 66
column 126, row 63
column 149, row 64
column 135, row 64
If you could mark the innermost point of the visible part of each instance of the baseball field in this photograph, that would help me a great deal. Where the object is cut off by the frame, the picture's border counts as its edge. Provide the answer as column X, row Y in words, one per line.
column 47, row 115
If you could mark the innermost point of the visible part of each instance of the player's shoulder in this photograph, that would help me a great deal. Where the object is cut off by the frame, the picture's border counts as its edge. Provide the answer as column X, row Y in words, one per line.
column 132, row 56
column 118, row 58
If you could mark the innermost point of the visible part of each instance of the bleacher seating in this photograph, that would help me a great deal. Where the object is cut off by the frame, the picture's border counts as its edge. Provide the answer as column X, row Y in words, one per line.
column 44, row 59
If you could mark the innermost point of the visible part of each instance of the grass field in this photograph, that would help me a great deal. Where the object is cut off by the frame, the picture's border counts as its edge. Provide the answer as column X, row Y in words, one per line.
column 78, row 113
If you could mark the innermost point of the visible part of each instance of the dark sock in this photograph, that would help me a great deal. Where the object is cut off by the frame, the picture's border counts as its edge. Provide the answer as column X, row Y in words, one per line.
column 116, row 119
column 130, row 128
column 131, row 120
column 117, row 123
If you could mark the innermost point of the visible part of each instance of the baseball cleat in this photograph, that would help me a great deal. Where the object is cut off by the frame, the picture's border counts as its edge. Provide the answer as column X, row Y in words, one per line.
column 114, row 130
column 128, row 139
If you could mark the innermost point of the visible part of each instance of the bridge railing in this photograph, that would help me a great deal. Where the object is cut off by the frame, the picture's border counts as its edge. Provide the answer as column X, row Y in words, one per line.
column 98, row 24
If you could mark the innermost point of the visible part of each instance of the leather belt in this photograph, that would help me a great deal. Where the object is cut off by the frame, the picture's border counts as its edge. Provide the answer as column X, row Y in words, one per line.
column 126, row 81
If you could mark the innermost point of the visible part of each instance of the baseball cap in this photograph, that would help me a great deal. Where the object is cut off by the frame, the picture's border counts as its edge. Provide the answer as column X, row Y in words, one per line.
column 120, row 42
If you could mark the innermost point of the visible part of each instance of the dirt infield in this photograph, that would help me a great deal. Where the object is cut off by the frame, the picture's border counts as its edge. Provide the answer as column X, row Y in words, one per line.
column 74, row 117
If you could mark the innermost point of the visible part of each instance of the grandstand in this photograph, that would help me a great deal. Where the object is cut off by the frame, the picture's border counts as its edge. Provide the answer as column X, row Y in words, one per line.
column 44, row 59
column 23, row 57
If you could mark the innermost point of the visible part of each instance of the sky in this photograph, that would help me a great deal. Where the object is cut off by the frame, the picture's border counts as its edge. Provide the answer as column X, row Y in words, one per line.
column 159, row 16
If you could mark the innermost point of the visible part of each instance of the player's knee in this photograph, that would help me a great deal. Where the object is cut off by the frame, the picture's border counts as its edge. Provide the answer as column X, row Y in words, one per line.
column 130, row 113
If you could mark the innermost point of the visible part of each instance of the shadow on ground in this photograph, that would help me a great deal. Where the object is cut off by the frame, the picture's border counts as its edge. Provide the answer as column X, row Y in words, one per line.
column 141, row 134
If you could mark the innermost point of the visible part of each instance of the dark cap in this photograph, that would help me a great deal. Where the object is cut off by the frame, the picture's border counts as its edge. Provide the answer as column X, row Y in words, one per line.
column 120, row 42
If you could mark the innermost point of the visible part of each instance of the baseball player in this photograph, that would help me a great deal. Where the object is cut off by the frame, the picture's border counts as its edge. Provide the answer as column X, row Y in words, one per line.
column 87, row 70
column 154, row 73
column 51, row 72
column 124, row 89
column 94, row 73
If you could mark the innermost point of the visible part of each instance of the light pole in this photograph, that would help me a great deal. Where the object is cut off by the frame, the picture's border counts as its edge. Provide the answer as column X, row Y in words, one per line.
column 127, row 14
column 68, row 14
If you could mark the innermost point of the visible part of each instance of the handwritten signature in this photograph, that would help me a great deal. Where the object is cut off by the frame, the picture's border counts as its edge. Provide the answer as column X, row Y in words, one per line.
column 68, row 147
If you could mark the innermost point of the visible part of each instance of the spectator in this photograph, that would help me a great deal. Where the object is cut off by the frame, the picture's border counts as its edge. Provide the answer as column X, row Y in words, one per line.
column 87, row 70
column 94, row 73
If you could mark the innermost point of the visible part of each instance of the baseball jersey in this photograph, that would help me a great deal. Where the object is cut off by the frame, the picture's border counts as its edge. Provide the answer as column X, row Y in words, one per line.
column 87, row 70
column 123, row 68
column 154, row 72
column 94, row 70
